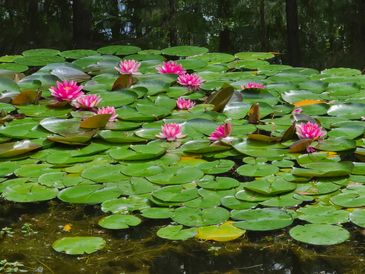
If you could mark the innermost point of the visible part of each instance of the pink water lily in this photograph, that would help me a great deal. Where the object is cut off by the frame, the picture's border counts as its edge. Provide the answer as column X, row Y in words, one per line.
column 171, row 132
column 309, row 130
column 128, row 67
column 87, row 102
column 171, row 67
column 183, row 103
column 191, row 81
column 253, row 85
column 66, row 91
column 297, row 111
column 108, row 110
column 311, row 149
column 221, row 132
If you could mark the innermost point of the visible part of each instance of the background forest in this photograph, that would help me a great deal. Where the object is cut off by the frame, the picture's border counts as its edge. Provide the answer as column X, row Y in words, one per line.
column 311, row 33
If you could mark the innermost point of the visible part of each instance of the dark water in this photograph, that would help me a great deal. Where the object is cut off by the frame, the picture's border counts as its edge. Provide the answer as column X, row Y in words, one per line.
column 308, row 33
column 138, row 250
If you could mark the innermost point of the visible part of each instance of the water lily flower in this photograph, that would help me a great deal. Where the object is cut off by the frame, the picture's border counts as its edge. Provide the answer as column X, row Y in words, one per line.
column 108, row 110
column 297, row 111
column 191, row 81
column 171, row 67
column 221, row 132
column 309, row 130
column 171, row 132
column 66, row 91
column 183, row 103
column 88, row 102
column 128, row 67
column 310, row 149
column 253, row 85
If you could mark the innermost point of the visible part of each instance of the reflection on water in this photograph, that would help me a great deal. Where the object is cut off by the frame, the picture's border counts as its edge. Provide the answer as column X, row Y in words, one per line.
column 307, row 32
column 138, row 250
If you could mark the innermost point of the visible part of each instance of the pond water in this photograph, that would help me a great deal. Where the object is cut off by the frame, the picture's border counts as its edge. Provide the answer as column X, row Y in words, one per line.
column 138, row 250
column 321, row 33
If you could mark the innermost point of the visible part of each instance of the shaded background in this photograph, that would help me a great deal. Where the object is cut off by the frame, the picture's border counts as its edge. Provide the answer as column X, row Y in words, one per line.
column 311, row 33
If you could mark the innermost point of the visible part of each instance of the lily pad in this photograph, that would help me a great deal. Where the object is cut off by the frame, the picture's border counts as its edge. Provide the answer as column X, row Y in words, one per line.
column 196, row 217
column 222, row 233
column 319, row 234
column 118, row 221
column 261, row 219
column 176, row 233
column 79, row 245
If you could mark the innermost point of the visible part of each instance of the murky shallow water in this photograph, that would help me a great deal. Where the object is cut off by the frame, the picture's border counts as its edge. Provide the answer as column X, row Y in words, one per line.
column 139, row 250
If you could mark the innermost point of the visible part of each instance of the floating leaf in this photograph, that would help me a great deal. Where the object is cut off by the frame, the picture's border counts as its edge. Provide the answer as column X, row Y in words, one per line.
column 222, row 233
column 220, row 98
column 176, row 233
column 79, row 245
column 261, row 219
column 95, row 121
column 118, row 221
column 319, row 234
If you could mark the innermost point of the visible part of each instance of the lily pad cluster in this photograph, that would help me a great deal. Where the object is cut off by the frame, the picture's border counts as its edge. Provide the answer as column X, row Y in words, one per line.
column 259, row 178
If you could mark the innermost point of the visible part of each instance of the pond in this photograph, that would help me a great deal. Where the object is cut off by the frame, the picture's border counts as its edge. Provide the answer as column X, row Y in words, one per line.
column 207, row 164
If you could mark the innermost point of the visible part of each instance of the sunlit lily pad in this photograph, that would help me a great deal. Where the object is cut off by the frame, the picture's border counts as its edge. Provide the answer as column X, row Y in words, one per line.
column 358, row 217
column 79, row 245
column 222, row 233
column 319, row 234
column 29, row 192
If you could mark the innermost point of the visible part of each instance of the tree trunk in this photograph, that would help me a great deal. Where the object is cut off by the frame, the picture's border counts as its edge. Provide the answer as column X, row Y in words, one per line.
column 173, row 29
column 225, row 34
column 82, row 22
column 264, row 42
column 293, row 33
column 33, row 23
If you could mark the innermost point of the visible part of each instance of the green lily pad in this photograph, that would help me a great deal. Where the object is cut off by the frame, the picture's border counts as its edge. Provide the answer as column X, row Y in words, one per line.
column 28, row 193
column 353, row 197
column 319, row 234
column 318, row 214
column 183, row 51
column 123, row 205
column 175, row 194
column 88, row 194
column 358, row 217
column 176, row 176
column 118, row 221
column 217, row 167
column 261, row 219
column 104, row 174
column 78, row 53
column 119, row 49
column 270, row 185
column 257, row 170
column 157, row 213
column 218, row 183
column 79, row 245
column 195, row 217
column 176, row 233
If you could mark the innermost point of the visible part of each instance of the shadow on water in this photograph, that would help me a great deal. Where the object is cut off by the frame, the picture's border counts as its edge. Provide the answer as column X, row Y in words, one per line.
column 138, row 250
